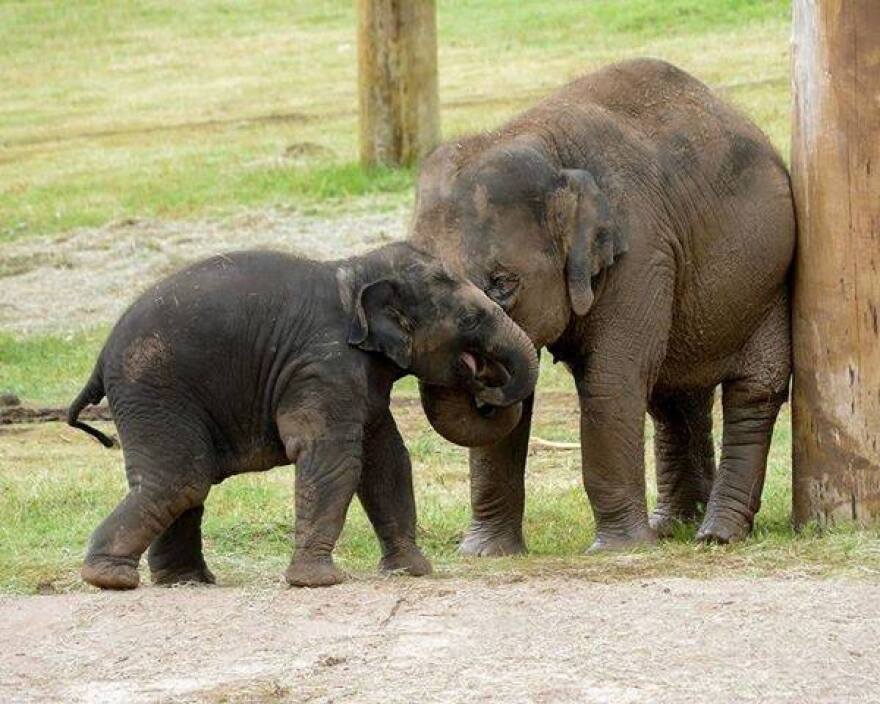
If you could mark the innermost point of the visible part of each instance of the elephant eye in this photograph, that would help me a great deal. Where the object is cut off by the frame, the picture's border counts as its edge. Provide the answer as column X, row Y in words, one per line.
column 470, row 321
column 502, row 288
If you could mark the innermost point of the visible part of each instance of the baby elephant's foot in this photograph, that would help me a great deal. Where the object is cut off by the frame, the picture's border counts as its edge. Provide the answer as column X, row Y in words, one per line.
column 723, row 529
column 313, row 573
column 409, row 560
column 110, row 573
column 183, row 575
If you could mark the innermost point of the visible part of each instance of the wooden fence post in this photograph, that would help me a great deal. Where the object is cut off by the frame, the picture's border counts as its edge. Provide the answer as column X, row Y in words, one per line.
column 836, row 312
column 397, row 80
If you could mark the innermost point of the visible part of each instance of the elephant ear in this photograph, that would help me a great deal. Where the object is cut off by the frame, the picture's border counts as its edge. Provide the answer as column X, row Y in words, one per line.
column 379, row 325
column 595, row 240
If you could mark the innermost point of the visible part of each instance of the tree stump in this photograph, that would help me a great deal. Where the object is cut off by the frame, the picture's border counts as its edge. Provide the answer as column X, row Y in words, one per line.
column 397, row 81
column 836, row 179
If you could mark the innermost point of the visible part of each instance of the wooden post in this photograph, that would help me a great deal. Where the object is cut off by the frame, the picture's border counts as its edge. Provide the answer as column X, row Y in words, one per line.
column 836, row 318
column 397, row 76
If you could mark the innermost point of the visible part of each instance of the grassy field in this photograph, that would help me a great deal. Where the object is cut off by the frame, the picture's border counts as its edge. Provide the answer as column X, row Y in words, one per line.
column 119, row 109
column 56, row 484
column 114, row 110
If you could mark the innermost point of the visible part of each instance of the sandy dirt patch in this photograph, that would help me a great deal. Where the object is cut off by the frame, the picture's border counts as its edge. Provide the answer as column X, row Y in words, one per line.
column 64, row 283
column 503, row 639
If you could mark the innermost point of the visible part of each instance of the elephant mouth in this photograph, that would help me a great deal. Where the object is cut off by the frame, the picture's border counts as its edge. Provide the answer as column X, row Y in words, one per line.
column 470, row 363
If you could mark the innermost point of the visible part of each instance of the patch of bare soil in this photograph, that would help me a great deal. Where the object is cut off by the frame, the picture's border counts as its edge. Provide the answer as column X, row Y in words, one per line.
column 28, row 414
column 503, row 639
column 76, row 280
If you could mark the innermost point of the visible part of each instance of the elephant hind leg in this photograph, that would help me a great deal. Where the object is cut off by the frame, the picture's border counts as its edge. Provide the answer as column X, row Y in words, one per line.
column 175, row 557
column 752, row 397
column 684, row 456
column 164, row 484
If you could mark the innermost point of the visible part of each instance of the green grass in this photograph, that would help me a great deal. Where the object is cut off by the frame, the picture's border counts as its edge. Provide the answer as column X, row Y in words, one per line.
column 48, row 369
column 165, row 109
column 56, row 484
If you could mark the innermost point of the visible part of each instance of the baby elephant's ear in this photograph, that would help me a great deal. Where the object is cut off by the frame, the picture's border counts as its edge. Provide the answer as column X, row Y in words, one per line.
column 379, row 325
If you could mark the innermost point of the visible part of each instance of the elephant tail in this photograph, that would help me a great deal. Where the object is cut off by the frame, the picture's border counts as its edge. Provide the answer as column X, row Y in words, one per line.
column 91, row 394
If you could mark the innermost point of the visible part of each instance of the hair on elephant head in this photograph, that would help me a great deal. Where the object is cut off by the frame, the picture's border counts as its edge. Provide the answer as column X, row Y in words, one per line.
column 444, row 330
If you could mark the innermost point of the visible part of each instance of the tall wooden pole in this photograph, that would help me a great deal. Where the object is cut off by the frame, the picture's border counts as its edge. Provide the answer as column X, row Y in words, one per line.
column 397, row 76
column 836, row 178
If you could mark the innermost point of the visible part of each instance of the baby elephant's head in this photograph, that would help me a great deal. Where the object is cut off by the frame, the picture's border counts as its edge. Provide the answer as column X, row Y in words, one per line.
column 451, row 335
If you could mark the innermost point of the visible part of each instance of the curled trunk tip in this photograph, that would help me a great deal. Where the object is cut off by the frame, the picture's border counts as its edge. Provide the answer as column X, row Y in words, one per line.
column 519, row 357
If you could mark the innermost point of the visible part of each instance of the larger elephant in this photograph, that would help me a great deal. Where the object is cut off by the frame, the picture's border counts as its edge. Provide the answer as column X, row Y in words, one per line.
column 642, row 230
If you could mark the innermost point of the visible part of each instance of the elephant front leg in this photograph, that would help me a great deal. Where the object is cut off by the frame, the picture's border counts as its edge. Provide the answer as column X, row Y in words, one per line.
column 613, row 455
column 386, row 493
column 327, row 474
column 684, row 456
column 498, row 493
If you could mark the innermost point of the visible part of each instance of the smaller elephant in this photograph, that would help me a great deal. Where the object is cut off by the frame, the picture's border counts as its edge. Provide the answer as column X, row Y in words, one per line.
column 251, row 360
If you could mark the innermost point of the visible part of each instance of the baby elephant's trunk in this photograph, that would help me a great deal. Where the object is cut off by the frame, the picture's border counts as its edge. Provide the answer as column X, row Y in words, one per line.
column 487, row 415
column 515, row 353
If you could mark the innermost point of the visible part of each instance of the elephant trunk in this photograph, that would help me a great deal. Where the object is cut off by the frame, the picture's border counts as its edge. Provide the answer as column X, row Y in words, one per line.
column 455, row 415
column 485, row 415
column 514, row 352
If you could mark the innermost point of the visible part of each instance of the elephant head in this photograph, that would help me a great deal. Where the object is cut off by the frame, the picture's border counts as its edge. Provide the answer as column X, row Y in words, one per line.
column 529, row 233
column 447, row 332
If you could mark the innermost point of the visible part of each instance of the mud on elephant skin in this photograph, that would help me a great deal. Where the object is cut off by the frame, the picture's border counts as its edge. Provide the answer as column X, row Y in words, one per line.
column 642, row 230
column 251, row 360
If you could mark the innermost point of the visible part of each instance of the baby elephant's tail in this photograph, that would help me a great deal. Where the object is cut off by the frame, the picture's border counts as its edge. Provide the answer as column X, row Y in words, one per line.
column 92, row 393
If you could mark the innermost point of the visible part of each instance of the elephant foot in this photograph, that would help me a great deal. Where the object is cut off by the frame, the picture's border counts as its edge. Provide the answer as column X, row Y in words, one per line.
column 664, row 525
column 182, row 575
column 610, row 541
column 314, row 573
column 484, row 540
column 410, row 561
column 110, row 573
column 723, row 530
column 665, row 522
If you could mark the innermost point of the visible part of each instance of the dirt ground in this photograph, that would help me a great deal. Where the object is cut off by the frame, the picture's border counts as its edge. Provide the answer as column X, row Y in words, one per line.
column 503, row 639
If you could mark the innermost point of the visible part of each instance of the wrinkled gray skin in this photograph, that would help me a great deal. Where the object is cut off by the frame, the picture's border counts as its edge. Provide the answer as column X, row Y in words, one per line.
column 642, row 230
column 251, row 360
